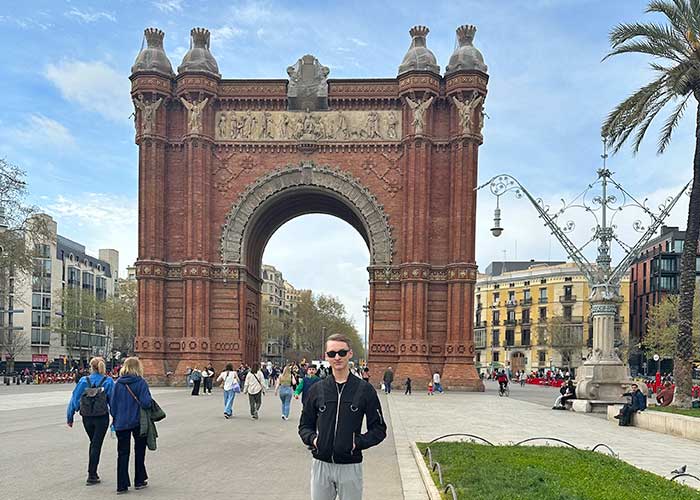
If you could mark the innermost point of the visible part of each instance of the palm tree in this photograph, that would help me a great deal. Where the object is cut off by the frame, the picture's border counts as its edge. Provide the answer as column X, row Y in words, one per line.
column 675, row 47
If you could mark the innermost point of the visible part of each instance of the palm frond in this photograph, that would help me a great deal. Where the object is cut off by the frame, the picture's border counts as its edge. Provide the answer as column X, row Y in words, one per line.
column 679, row 22
column 671, row 124
column 693, row 15
column 632, row 112
column 649, row 117
column 648, row 38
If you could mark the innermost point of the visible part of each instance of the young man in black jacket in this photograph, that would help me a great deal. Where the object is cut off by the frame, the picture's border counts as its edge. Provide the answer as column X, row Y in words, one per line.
column 331, row 425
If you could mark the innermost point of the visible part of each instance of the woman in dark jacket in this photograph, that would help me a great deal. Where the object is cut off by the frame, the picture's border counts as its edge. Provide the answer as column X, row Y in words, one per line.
column 130, row 394
column 96, row 418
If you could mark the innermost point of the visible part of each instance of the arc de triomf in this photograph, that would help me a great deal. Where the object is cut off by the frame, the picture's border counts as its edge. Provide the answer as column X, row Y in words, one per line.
column 224, row 163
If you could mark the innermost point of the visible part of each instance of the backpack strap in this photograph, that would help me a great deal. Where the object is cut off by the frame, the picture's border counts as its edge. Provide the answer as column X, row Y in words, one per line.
column 102, row 381
column 132, row 394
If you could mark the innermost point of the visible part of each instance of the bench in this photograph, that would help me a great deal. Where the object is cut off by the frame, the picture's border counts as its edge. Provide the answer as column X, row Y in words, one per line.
column 665, row 423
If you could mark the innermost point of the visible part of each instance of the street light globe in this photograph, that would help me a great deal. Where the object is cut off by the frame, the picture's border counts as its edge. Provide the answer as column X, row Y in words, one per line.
column 496, row 231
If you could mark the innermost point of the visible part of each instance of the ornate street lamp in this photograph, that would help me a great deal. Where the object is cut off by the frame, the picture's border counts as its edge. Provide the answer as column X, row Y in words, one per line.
column 365, row 309
column 603, row 373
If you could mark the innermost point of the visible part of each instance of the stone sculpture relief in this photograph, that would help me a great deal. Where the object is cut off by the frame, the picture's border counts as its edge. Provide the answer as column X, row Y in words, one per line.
column 308, row 85
column 419, row 109
column 148, row 112
column 194, row 115
column 308, row 126
column 466, row 110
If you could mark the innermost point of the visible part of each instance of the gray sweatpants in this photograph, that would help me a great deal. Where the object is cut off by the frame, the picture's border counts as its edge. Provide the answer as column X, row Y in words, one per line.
column 329, row 480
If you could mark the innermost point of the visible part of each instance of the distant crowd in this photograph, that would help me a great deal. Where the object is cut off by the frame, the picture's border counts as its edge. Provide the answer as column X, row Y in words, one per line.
column 73, row 375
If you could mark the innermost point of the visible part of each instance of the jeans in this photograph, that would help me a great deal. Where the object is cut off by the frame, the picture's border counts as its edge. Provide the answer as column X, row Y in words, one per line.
column 195, row 387
column 387, row 387
column 285, row 393
column 437, row 386
column 96, row 429
column 208, row 384
column 228, row 402
column 255, row 401
column 123, row 446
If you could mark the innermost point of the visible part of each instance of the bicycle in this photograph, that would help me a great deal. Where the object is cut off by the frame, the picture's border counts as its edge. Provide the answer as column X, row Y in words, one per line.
column 504, row 391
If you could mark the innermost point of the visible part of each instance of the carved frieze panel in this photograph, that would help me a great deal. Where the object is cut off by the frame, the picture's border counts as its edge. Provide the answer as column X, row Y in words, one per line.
column 390, row 175
column 328, row 126
column 227, row 169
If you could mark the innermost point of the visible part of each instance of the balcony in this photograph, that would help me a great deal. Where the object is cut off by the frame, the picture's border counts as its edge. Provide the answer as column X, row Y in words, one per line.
column 526, row 302
column 511, row 303
column 566, row 299
column 496, row 322
column 511, row 322
column 573, row 320
column 525, row 321
column 480, row 324
column 542, row 300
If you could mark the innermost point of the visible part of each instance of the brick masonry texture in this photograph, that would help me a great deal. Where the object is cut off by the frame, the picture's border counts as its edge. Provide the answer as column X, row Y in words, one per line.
column 194, row 308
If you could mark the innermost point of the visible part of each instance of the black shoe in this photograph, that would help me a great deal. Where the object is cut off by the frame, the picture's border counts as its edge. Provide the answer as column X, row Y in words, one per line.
column 92, row 480
column 617, row 417
column 121, row 492
column 141, row 486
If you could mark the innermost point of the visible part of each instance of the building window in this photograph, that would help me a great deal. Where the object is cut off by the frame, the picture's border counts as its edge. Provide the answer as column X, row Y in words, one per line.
column 568, row 291
column 527, row 283
column 496, row 356
column 543, row 314
column 668, row 283
column 525, row 337
column 510, row 338
column 496, row 317
column 495, row 340
column 678, row 246
column 543, row 281
column 496, row 298
column 567, row 313
column 669, row 265
column 543, row 295
column 542, row 357
column 567, row 278
column 526, row 316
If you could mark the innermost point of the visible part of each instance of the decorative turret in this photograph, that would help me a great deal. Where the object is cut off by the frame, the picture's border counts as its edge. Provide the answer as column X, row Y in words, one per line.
column 198, row 58
column 466, row 57
column 153, row 58
column 419, row 57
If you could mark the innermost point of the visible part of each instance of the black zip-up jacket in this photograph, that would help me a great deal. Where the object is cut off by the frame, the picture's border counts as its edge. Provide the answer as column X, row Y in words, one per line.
column 336, row 419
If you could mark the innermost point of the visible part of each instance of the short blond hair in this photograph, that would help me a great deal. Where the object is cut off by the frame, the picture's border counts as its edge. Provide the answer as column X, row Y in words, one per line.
column 339, row 337
column 97, row 365
column 132, row 366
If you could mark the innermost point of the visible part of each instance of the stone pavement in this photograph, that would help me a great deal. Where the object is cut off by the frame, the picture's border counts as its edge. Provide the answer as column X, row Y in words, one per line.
column 501, row 420
column 200, row 454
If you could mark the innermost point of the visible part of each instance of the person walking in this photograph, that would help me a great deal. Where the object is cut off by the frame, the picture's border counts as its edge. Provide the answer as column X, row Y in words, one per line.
column 306, row 383
column 205, row 381
column 436, row 382
column 283, row 387
column 229, row 382
column 91, row 397
column 209, row 380
column 131, row 393
column 331, row 426
column 196, row 377
column 408, row 386
column 388, row 378
column 255, row 389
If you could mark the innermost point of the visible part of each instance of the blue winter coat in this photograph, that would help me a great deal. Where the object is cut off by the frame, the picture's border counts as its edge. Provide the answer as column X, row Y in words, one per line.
column 94, row 378
column 123, row 407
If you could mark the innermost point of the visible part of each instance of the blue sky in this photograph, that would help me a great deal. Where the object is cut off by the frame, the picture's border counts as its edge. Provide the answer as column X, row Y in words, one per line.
column 65, row 115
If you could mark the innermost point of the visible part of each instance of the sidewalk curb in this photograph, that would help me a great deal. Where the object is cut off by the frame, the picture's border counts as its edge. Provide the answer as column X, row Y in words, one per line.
column 430, row 488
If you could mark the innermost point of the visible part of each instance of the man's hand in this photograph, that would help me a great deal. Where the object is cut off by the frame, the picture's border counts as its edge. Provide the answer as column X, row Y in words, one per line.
column 353, row 443
column 315, row 441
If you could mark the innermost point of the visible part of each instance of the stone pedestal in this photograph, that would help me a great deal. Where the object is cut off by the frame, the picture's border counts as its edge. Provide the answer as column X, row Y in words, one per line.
column 603, row 375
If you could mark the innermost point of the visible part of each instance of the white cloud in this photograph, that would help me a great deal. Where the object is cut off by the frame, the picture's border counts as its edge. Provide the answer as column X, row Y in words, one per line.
column 94, row 86
column 169, row 5
column 98, row 220
column 225, row 33
column 26, row 22
column 37, row 130
column 358, row 42
column 90, row 16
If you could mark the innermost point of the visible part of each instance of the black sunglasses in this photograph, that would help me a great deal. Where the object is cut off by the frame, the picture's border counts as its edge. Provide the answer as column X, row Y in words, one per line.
column 342, row 353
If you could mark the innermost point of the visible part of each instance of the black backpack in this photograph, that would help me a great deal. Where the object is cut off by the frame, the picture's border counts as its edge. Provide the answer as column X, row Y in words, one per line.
column 93, row 402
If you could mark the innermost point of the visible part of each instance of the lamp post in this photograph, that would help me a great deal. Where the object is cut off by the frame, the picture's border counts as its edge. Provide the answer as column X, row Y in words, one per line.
column 603, row 373
column 365, row 309
column 323, row 343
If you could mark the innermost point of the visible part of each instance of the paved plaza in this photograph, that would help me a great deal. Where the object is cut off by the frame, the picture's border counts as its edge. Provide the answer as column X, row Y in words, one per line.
column 203, row 455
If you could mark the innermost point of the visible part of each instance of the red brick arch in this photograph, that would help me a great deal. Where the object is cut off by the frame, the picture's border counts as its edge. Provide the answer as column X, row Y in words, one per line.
column 209, row 200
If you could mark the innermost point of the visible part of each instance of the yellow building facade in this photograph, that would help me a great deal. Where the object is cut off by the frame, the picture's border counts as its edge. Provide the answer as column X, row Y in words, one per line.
column 537, row 316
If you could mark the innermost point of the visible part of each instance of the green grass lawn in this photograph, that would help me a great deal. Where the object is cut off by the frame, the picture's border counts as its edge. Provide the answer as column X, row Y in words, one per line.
column 690, row 412
column 547, row 473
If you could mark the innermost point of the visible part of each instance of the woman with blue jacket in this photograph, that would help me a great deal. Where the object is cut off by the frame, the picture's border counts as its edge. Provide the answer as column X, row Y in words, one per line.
column 96, row 418
column 130, row 394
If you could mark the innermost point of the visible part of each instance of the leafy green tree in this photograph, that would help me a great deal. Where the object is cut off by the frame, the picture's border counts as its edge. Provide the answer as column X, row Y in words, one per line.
column 120, row 316
column 20, row 228
column 80, row 310
column 662, row 327
column 566, row 339
column 675, row 49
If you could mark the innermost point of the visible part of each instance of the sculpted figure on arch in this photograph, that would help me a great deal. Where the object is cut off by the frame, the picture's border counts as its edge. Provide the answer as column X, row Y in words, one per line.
column 466, row 110
column 419, row 108
column 194, row 112
column 148, row 112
